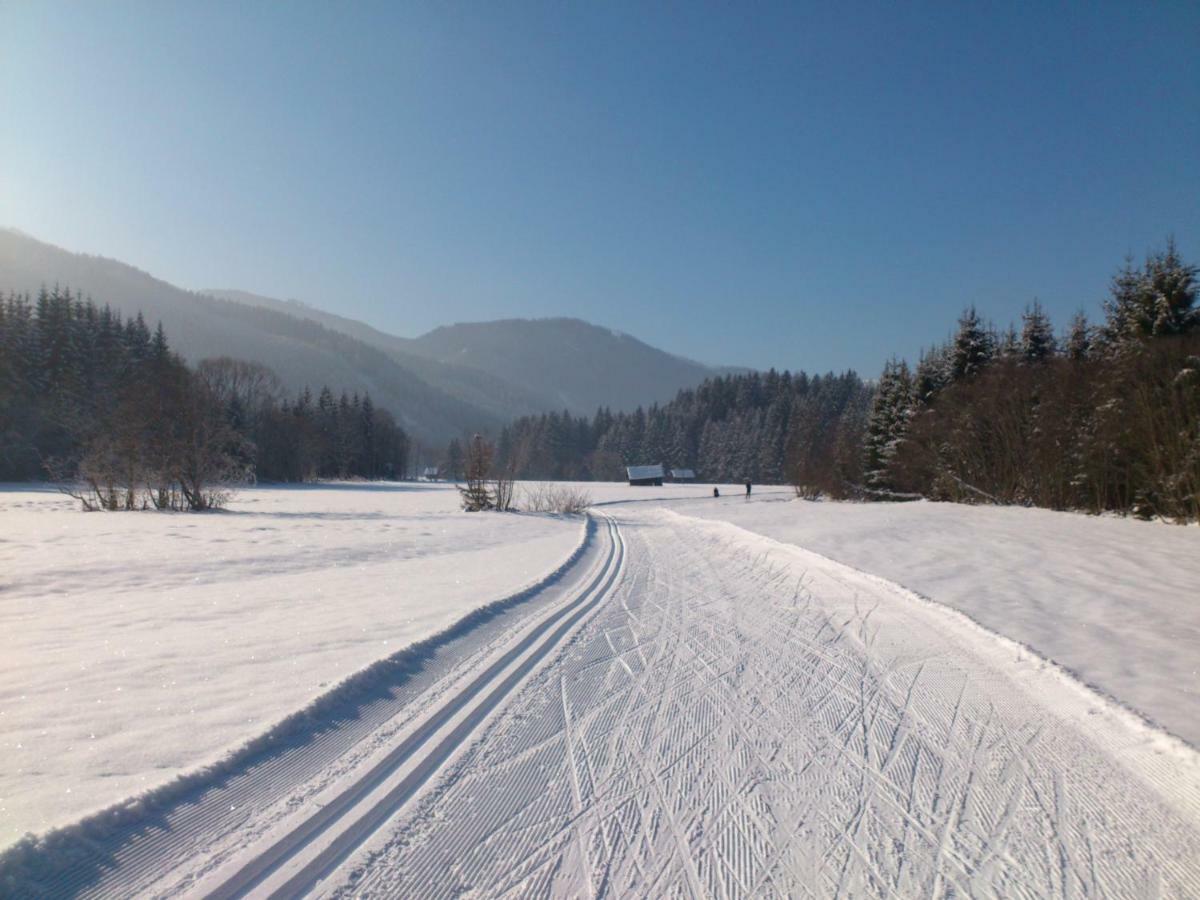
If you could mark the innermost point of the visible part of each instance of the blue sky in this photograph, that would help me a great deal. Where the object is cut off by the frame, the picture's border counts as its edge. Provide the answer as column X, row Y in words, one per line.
column 811, row 186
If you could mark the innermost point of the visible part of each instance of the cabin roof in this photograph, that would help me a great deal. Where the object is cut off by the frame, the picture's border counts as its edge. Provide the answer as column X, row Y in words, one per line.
column 640, row 472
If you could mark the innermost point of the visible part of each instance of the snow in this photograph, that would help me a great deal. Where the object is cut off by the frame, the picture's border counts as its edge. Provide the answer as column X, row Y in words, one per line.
column 1115, row 601
column 746, row 718
column 709, row 696
column 138, row 646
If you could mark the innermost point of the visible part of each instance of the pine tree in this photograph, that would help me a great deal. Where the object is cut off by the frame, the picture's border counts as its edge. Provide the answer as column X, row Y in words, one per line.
column 973, row 347
column 1079, row 338
column 887, row 424
column 1156, row 299
column 932, row 375
column 137, row 339
column 368, row 438
column 1037, row 334
column 478, row 468
column 159, row 351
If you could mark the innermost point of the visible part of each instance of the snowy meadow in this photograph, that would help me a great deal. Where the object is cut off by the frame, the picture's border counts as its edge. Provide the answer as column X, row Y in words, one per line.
column 138, row 646
column 141, row 646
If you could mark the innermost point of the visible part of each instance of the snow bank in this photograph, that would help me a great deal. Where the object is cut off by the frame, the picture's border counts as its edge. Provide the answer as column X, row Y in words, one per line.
column 140, row 646
column 1114, row 601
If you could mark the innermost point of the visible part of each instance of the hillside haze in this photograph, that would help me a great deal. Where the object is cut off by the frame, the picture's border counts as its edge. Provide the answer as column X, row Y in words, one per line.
column 521, row 366
column 301, row 351
column 458, row 378
column 579, row 366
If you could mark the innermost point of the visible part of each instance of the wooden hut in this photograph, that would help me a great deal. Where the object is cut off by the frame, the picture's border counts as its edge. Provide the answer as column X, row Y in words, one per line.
column 645, row 475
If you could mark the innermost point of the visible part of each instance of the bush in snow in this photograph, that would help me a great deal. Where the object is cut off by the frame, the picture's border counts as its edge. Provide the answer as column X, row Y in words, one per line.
column 564, row 499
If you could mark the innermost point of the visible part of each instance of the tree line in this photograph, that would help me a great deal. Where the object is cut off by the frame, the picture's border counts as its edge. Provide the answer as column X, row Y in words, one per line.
column 761, row 426
column 100, row 402
column 1099, row 418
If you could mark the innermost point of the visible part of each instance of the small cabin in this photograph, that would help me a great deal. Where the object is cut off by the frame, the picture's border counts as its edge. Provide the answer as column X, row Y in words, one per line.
column 645, row 475
column 430, row 473
column 683, row 475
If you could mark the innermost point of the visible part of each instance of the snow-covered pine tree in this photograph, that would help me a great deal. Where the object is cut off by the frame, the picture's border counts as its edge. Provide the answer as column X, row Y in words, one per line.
column 973, row 346
column 1037, row 334
column 887, row 424
column 1078, row 342
column 1155, row 299
column 932, row 375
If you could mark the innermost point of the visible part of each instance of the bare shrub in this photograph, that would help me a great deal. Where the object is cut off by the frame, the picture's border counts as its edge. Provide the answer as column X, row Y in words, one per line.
column 503, row 489
column 535, row 497
column 547, row 497
column 167, row 446
column 204, row 453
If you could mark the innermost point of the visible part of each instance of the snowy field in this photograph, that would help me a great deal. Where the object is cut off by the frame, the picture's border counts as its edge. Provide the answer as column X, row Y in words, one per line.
column 141, row 645
column 1116, row 601
column 702, row 697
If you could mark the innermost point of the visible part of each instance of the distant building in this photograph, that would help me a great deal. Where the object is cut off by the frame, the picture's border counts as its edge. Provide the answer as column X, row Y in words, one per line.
column 683, row 475
column 645, row 475
column 431, row 473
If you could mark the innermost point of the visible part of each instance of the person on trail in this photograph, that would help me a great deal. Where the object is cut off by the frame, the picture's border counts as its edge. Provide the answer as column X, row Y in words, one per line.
column 747, row 488
column 716, row 492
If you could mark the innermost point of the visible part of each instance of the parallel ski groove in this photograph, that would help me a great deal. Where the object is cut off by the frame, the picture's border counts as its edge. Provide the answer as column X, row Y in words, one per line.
column 494, row 684
column 754, row 730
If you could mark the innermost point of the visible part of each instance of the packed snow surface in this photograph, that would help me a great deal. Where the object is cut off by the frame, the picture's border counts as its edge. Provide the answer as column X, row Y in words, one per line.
column 137, row 646
column 708, row 697
column 1116, row 601
column 743, row 718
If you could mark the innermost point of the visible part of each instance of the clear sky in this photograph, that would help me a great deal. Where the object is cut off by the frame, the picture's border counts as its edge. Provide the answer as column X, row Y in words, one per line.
column 804, row 185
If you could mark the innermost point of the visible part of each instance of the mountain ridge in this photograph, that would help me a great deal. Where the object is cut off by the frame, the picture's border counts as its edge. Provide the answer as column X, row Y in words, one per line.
column 301, row 351
column 453, row 379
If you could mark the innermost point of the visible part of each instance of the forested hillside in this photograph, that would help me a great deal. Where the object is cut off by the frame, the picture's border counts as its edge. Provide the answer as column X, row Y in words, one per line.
column 570, row 364
column 767, row 427
column 89, row 396
column 481, row 389
column 516, row 367
column 451, row 381
column 299, row 350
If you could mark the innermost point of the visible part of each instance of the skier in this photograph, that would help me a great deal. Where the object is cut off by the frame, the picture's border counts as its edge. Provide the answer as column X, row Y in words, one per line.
column 716, row 493
column 747, row 490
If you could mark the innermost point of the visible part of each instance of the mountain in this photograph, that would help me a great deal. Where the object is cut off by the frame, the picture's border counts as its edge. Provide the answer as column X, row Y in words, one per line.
column 522, row 366
column 455, row 379
column 472, row 386
column 303, row 352
column 576, row 365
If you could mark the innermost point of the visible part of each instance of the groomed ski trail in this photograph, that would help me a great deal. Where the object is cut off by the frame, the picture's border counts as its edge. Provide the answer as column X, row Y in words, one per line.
column 689, row 710
column 742, row 719
column 197, row 835
column 296, row 861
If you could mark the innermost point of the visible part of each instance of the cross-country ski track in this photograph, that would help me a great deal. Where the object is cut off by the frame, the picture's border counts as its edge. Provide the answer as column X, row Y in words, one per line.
column 686, row 709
